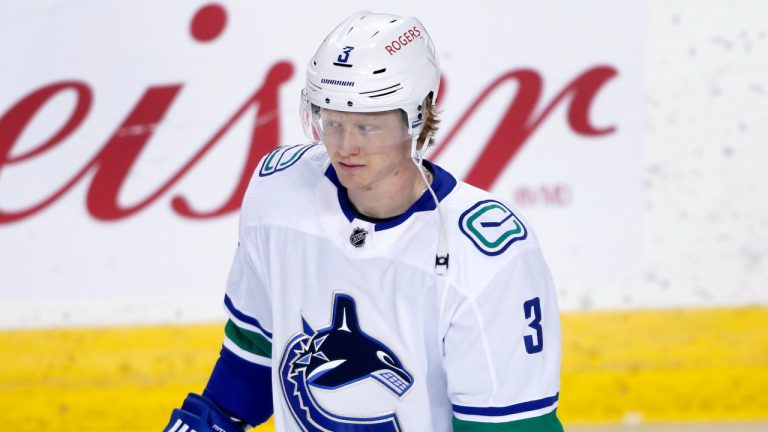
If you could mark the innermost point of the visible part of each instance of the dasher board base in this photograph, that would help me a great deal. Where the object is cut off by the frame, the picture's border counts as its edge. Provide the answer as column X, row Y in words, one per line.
column 619, row 368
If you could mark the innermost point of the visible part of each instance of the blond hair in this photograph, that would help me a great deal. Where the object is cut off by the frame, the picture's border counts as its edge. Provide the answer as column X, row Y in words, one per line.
column 431, row 120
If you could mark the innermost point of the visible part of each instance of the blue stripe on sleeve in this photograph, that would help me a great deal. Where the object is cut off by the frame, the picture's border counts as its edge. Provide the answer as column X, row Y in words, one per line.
column 507, row 410
column 241, row 387
column 243, row 317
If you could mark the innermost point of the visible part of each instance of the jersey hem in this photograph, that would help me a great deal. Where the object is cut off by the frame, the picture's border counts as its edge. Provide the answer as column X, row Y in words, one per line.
column 545, row 422
column 519, row 410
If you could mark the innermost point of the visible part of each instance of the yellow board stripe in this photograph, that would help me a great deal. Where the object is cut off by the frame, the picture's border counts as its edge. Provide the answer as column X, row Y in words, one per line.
column 665, row 365
column 654, row 365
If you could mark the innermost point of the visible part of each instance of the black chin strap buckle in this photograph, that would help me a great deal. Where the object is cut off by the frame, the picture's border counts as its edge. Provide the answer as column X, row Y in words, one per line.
column 442, row 261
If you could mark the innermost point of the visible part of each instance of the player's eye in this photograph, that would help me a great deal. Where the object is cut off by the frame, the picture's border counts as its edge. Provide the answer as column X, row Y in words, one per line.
column 367, row 129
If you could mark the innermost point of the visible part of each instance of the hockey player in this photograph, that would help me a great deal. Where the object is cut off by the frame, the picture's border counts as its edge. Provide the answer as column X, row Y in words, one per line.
column 371, row 290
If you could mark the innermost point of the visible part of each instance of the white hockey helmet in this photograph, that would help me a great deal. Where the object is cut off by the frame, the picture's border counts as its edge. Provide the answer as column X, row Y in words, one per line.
column 372, row 62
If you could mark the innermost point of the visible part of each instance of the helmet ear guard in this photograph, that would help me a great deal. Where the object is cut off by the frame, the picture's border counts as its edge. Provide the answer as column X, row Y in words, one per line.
column 419, row 150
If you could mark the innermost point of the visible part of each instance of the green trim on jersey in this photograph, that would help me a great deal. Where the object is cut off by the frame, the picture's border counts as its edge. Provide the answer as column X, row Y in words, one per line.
column 271, row 156
column 254, row 343
column 546, row 423
column 290, row 161
column 274, row 163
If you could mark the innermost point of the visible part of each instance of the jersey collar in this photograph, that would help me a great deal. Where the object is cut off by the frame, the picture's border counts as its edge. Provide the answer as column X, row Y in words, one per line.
column 443, row 183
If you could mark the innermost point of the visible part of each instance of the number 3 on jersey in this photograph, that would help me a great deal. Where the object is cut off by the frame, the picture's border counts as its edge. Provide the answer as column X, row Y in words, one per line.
column 533, row 344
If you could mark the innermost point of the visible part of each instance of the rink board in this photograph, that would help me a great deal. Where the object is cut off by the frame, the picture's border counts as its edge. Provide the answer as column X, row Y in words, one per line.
column 654, row 366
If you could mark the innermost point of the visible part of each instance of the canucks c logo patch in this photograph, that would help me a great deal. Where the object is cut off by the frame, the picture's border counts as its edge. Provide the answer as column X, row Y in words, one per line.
column 333, row 358
column 492, row 227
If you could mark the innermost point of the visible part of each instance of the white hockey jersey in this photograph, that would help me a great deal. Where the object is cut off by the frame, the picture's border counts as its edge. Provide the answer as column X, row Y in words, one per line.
column 359, row 330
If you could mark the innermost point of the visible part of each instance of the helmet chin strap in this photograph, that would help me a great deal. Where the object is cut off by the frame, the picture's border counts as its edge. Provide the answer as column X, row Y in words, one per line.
column 441, row 256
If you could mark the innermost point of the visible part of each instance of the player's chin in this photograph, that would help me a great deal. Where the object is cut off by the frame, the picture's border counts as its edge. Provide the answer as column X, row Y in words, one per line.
column 352, row 181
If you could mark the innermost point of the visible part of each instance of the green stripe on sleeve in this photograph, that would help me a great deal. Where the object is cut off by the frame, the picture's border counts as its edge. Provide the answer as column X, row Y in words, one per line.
column 254, row 343
column 546, row 423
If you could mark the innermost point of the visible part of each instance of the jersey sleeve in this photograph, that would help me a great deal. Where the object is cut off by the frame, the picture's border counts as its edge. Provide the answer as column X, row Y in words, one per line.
column 503, row 350
column 241, row 379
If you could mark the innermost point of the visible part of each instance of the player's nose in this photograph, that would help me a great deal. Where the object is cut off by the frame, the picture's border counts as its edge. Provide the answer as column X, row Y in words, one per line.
column 347, row 144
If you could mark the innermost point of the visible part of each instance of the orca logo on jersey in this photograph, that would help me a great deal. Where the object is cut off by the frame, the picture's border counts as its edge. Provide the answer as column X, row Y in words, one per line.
column 492, row 227
column 358, row 237
column 333, row 358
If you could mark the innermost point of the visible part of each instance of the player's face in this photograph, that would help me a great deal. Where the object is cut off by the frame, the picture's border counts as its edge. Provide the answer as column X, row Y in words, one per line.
column 366, row 148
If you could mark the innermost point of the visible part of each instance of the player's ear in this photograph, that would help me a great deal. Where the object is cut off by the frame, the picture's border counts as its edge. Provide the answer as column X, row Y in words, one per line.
column 345, row 314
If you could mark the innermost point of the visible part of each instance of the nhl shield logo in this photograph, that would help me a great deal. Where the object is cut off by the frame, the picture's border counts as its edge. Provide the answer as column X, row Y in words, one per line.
column 358, row 237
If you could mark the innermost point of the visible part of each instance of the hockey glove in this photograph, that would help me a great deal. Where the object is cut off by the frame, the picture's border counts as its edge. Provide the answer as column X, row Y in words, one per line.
column 199, row 414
